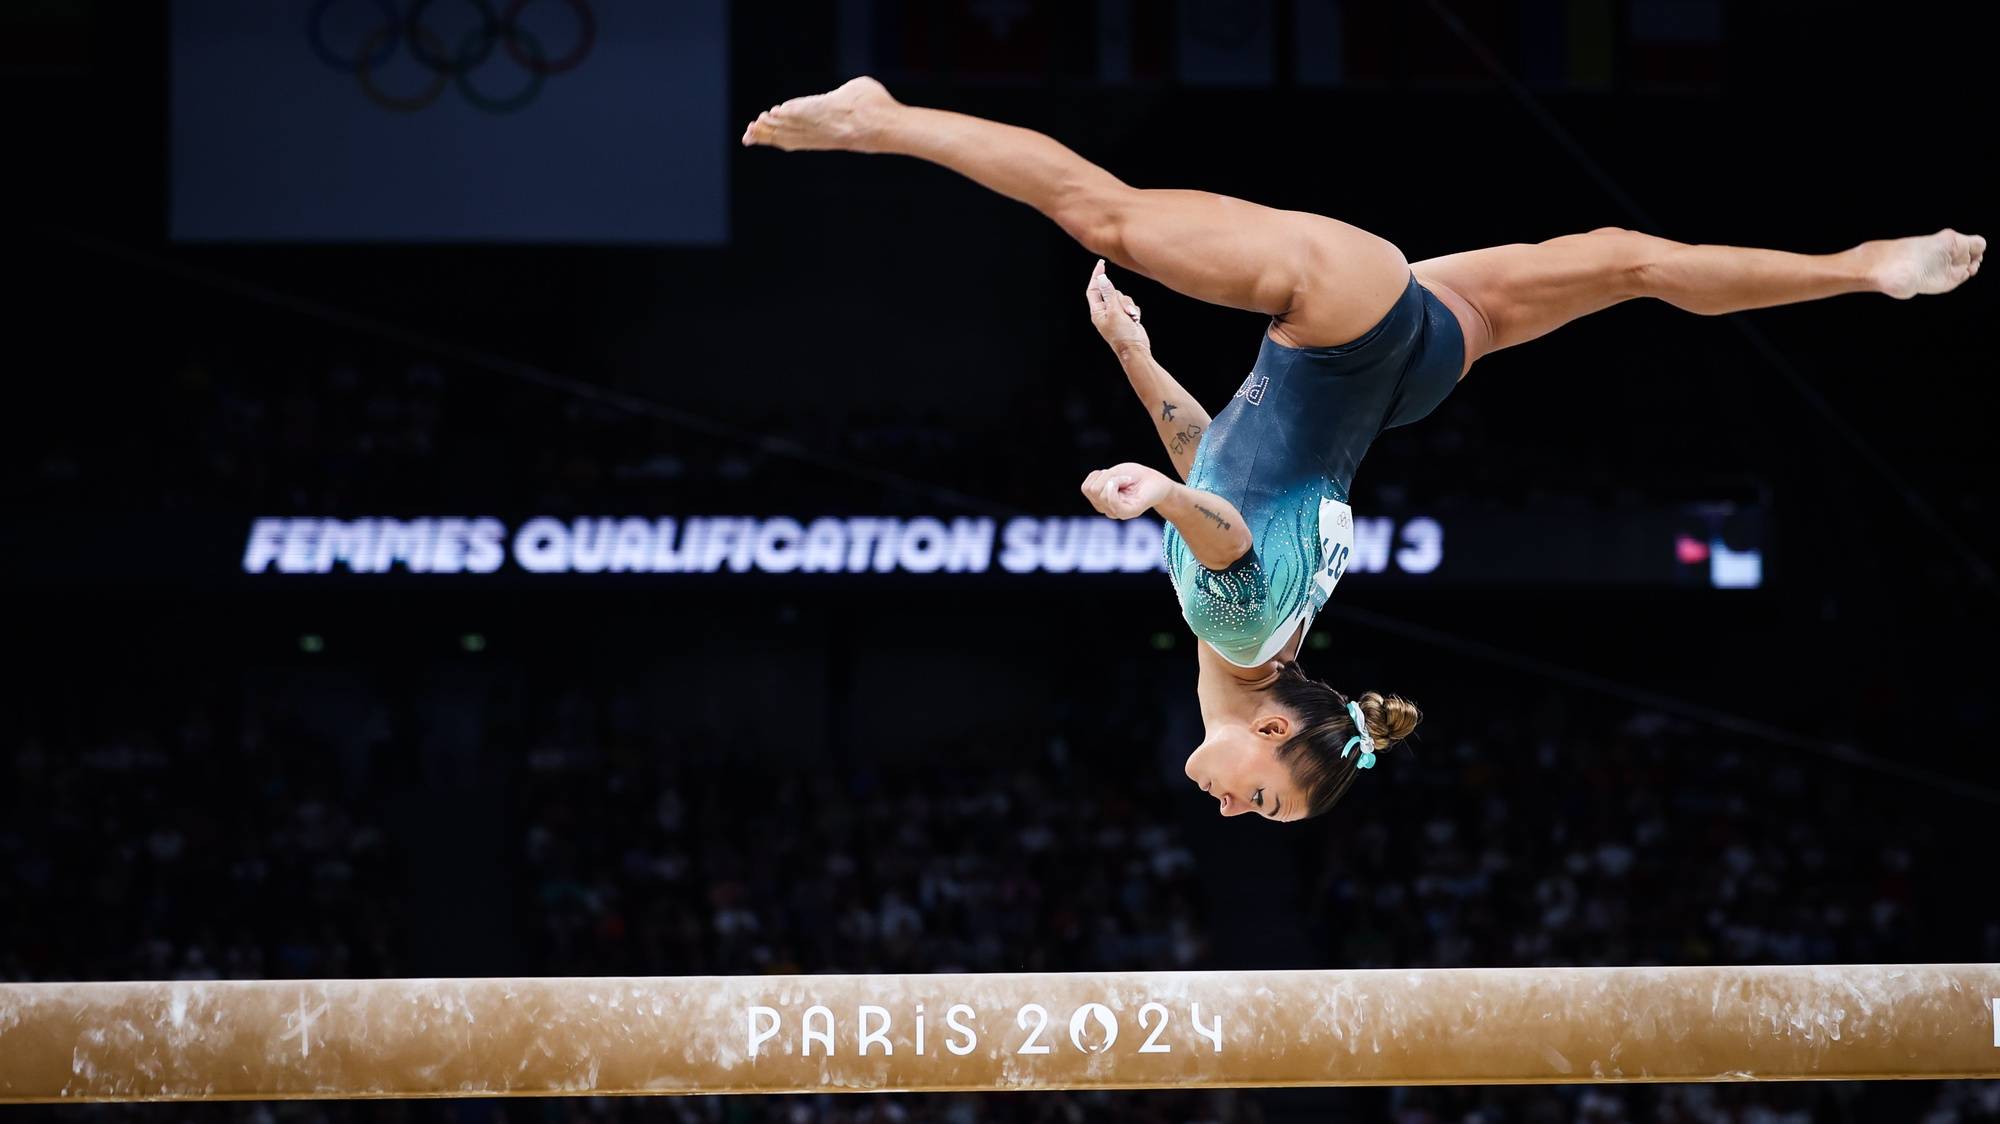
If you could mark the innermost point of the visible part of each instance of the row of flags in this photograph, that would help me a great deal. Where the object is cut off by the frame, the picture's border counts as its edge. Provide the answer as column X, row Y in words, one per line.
column 1551, row 44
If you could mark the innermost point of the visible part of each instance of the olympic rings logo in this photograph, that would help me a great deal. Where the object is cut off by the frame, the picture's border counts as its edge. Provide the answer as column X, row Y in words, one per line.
column 451, row 64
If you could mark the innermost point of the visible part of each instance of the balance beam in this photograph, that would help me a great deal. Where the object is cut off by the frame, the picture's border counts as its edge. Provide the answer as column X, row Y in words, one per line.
column 597, row 1036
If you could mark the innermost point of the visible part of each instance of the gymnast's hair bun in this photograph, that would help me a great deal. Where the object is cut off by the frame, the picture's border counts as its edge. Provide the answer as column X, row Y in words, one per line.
column 1391, row 718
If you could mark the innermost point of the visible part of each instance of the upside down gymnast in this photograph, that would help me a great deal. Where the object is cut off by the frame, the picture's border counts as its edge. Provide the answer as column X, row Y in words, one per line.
column 1360, row 340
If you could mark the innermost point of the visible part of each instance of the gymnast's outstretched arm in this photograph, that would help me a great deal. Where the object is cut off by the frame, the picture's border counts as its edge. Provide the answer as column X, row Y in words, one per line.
column 1211, row 525
column 1178, row 417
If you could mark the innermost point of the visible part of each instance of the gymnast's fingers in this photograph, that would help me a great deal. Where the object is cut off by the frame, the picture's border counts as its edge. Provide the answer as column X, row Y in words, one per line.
column 1114, row 494
column 1092, row 490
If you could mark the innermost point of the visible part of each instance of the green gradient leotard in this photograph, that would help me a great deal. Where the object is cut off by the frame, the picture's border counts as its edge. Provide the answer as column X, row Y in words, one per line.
column 1285, row 450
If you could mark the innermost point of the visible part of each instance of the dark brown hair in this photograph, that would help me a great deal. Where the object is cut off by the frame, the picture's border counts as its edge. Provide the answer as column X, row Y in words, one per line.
column 1324, row 728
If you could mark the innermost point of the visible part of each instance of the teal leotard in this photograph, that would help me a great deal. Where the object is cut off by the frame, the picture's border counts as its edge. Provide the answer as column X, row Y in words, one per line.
column 1284, row 452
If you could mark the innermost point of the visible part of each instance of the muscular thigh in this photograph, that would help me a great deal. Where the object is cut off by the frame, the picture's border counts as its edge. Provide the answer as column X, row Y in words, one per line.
column 1507, row 295
column 1325, row 282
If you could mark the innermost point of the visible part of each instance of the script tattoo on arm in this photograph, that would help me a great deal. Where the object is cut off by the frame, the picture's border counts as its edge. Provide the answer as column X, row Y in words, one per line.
column 1219, row 520
column 1211, row 525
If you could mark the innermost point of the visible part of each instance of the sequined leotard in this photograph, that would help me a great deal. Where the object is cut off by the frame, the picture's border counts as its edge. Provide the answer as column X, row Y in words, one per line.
column 1285, row 450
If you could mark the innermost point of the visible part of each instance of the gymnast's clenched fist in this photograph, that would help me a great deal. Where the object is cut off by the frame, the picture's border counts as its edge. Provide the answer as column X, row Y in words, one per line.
column 1126, row 490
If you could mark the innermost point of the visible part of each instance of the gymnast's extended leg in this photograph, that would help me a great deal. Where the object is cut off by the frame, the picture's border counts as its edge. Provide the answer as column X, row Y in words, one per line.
column 1507, row 295
column 1324, row 281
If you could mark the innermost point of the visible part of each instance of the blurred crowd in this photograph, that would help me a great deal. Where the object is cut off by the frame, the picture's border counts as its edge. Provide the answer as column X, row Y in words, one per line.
column 1639, row 839
column 365, row 435
column 236, row 835
column 662, row 871
column 212, row 841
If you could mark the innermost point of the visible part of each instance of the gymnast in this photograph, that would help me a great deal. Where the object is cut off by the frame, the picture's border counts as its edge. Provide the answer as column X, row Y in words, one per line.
column 1360, row 340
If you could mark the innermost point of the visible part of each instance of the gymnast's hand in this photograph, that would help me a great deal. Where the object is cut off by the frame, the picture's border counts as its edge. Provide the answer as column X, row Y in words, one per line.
column 1126, row 490
column 1115, row 314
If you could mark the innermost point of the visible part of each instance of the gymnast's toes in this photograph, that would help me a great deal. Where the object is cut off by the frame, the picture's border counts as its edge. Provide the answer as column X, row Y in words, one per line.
column 1934, row 263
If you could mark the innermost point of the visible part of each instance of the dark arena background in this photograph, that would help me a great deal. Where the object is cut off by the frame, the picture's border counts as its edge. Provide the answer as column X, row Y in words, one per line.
column 465, row 516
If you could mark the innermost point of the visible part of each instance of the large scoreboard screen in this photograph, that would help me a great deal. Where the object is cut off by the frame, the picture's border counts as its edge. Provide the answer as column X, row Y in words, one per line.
column 567, row 121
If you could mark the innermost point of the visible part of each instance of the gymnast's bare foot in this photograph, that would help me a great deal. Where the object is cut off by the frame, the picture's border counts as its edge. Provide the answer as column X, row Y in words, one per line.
column 842, row 119
column 1932, row 263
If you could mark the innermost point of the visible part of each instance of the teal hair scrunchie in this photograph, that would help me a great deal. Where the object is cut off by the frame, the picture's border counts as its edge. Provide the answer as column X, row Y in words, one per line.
column 1361, row 738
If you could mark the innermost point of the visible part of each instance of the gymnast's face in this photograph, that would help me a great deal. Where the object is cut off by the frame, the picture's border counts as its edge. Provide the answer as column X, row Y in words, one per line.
column 1238, row 765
